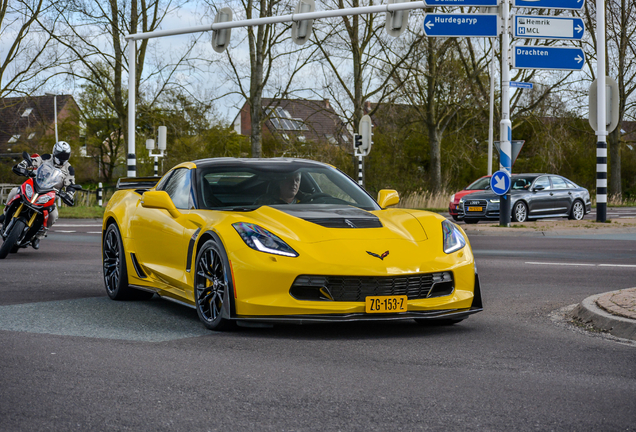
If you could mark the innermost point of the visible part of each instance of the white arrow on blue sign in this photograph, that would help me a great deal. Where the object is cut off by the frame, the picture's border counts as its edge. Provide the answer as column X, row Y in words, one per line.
column 462, row 2
column 537, row 57
column 461, row 25
column 500, row 182
column 542, row 27
column 549, row 4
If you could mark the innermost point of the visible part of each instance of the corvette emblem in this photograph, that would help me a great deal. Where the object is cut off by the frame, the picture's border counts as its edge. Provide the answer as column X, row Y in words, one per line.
column 379, row 256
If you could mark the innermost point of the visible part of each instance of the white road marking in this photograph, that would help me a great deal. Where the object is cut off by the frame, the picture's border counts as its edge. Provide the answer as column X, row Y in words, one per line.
column 94, row 232
column 62, row 231
column 581, row 264
column 77, row 225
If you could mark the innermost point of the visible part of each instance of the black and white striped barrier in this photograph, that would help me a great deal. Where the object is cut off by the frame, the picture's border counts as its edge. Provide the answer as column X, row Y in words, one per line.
column 601, row 181
column 99, row 194
column 132, row 165
column 156, row 166
column 360, row 171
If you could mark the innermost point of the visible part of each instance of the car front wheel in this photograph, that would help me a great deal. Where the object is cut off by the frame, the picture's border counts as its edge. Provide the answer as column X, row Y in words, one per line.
column 578, row 210
column 520, row 212
column 212, row 287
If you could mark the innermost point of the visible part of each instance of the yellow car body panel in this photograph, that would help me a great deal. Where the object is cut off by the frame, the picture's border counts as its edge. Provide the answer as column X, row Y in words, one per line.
column 408, row 242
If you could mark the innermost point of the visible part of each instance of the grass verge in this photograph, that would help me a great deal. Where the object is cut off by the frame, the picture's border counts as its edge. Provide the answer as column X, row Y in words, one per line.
column 94, row 212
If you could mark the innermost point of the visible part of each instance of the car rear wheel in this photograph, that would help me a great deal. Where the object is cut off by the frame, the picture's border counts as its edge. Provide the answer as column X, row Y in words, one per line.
column 520, row 212
column 578, row 210
column 212, row 287
column 115, row 271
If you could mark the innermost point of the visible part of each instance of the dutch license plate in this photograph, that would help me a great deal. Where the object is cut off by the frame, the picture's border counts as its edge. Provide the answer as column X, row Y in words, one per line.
column 384, row 304
column 475, row 208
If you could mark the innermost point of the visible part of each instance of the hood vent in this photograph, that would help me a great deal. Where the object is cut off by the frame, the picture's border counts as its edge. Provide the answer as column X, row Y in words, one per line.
column 332, row 216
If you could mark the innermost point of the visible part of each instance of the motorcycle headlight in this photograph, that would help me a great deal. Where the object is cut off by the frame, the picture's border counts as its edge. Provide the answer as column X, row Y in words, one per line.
column 44, row 199
column 28, row 190
column 453, row 238
column 260, row 239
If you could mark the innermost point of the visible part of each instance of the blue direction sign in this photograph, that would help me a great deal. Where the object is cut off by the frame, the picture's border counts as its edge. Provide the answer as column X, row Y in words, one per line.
column 462, row 2
column 500, row 182
column 461, row 25
column 549, row 4
column 543, row 27
column 522, row 85
column 538, row 57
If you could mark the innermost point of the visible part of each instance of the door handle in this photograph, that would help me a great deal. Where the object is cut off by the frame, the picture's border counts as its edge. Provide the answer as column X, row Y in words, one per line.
column 551, row 194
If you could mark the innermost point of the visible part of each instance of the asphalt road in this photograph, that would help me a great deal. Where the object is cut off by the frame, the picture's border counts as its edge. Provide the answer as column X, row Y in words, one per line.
column 73, row 360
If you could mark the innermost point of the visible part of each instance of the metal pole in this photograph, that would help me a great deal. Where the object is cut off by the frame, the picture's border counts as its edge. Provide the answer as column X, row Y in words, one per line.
column 156, row 166
column 55, row 113
column 99, row 194
column 360, row 171
column 132, row 158
column 505, row 130
column 601, row 145
column 492, row 109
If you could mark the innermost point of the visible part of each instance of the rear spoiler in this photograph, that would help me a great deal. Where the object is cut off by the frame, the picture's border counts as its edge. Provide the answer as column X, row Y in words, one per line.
column 140, row 183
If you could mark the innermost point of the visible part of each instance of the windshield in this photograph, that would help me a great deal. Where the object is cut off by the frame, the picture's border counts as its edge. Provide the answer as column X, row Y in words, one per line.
column 481, row 184
column 49, row 177
column 249, row 187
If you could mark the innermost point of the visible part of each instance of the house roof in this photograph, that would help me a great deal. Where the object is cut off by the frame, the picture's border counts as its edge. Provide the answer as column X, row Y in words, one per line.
column 313, row 119
column 20, row 115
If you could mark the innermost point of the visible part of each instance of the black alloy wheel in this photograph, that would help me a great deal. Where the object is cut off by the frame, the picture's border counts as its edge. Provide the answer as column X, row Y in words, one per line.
column 578, row 210
column 520, row 212
column 115, row 270
column 212, row 287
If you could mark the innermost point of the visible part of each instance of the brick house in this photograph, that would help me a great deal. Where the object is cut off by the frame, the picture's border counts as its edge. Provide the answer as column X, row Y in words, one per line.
column 297, row 119
column 30, row 122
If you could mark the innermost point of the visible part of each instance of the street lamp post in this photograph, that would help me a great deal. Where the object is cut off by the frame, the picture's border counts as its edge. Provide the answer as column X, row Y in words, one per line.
column 54, row 112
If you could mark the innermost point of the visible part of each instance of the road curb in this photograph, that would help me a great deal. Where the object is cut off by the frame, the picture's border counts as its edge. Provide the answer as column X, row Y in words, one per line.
column 589, row 313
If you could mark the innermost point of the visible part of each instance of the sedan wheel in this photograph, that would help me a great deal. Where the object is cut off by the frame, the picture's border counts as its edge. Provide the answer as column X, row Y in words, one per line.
column 212, row 286
column 520, row 212
column 578, row 211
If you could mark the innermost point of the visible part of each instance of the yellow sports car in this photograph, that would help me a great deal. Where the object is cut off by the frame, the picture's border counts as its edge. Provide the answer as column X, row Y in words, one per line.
column 245, row 241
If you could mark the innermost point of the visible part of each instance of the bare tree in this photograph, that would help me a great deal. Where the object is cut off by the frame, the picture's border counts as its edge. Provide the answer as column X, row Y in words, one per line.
column 94, row 31
column 24, row 28
column 620, row 33
column 359, row 63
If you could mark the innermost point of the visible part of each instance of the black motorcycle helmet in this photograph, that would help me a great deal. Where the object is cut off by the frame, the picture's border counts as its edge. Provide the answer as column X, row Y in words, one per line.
column 61, row 152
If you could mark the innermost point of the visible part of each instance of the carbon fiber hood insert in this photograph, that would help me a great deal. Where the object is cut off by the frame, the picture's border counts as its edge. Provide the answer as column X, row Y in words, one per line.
column 332, row 216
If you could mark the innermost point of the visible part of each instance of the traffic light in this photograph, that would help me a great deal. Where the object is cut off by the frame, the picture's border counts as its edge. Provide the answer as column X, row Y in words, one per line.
column 221, row 38
column 396, row 21
column 301, row 30
column 365, row 129
column 357, row 141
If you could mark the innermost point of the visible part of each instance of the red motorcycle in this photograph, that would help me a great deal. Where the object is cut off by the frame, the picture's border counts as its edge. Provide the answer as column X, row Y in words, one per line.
column 28, row 212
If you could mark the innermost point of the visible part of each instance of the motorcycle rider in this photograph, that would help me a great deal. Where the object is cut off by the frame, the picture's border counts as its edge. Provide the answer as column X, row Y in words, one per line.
column 60, row 156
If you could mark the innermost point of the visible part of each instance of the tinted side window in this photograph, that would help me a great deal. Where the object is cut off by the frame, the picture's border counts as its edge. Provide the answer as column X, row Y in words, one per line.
column 179, row 189
column 558, row 183
column 543, row 181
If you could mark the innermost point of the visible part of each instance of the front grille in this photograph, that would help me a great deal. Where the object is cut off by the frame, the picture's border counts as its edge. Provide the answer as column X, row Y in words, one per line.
column 482, row 203
column 357, row 288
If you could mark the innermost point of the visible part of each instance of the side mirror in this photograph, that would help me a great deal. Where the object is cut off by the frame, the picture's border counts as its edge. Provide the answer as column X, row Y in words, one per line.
column 159, row 200
column 388, row 197
column 538, row 188
column 27, row 158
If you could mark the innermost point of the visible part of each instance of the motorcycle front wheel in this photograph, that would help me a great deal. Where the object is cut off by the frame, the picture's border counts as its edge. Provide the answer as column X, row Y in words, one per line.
column 12, row 238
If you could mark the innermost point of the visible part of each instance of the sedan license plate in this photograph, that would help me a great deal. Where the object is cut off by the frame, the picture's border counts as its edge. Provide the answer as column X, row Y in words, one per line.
column 384, row 304
column 475, row 208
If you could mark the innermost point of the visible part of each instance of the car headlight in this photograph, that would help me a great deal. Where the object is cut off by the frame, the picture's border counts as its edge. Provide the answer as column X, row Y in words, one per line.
column 260, row 239
column 44, row 199
column 452, row 198
column 453, row 238
column 494, row 200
